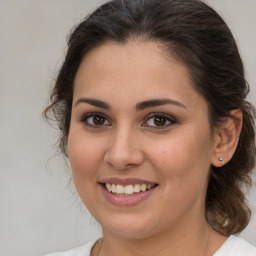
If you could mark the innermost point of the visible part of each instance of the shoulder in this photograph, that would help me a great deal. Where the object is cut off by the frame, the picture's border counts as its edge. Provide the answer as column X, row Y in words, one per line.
column 83, row 250
column 236, row 246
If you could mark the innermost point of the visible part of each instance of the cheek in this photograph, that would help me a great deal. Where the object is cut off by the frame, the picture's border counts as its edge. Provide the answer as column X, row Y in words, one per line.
column 183, row 166
column 185, row 156
column 85, row 155
column 85, row 158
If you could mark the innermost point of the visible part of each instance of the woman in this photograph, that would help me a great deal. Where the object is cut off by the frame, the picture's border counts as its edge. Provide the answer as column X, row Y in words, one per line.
column 150, row 101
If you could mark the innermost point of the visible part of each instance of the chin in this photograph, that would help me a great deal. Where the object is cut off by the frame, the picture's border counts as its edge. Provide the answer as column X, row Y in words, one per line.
column 127, row 234
column 130, row 227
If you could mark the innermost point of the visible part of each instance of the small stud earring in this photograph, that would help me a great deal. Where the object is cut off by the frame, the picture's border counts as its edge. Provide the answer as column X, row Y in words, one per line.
column 221, row 160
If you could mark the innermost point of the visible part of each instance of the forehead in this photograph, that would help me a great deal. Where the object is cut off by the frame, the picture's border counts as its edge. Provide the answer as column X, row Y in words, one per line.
column 132, row 56
column 137, row 68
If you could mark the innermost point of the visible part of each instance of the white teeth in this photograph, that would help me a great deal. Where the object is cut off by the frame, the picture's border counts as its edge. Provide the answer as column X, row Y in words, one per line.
column 119, row 189
column 136, row 188
column 128, row 189
column 143, row 187
column 113, row 188
column 108, row 187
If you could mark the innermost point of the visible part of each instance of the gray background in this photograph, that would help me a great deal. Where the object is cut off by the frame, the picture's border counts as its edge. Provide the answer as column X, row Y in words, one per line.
column 39, row 211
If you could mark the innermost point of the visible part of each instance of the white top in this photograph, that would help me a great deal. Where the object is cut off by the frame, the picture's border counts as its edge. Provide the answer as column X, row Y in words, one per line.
column 234, row 246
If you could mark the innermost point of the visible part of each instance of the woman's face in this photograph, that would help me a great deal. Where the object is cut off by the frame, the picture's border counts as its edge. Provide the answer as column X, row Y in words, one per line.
column 136, row 124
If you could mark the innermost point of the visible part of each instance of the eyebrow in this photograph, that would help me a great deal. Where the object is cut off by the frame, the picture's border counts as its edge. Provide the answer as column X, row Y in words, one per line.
column 158, row 102
column 93, row 102
column 139, row 106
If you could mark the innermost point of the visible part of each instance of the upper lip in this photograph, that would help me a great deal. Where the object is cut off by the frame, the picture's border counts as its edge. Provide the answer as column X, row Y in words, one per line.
column 126, row 181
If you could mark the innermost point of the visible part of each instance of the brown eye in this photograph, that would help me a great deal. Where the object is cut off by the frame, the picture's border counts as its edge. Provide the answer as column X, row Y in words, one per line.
column 98, row 120
column 160, row 121
column 95, row 120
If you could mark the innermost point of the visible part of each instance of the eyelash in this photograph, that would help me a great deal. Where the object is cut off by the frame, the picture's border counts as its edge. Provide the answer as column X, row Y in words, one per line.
column 94, row 115
column 166, row 118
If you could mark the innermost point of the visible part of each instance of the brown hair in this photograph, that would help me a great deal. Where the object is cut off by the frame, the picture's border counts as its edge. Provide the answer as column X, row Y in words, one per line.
column 196, row 35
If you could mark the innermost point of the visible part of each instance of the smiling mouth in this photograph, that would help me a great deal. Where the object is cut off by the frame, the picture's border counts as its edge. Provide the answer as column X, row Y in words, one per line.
column 128, row 190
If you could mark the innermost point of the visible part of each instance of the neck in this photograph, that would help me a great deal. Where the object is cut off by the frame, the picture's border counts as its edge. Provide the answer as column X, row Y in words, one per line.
column 192, row 241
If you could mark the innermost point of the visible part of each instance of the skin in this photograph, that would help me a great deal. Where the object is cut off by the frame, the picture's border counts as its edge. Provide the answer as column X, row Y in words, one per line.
column 129, row 143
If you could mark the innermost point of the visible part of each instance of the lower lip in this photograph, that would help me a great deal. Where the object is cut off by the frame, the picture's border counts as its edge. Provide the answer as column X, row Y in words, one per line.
column 126, row 200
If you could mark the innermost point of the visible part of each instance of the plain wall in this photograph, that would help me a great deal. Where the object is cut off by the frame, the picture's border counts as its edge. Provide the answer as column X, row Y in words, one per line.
column 39, row 211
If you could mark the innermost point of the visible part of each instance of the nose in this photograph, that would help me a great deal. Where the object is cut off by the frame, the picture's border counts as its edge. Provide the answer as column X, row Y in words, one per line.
column 124, row 150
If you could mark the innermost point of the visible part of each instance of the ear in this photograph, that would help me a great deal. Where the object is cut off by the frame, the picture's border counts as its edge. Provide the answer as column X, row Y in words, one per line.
column 226, row 138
